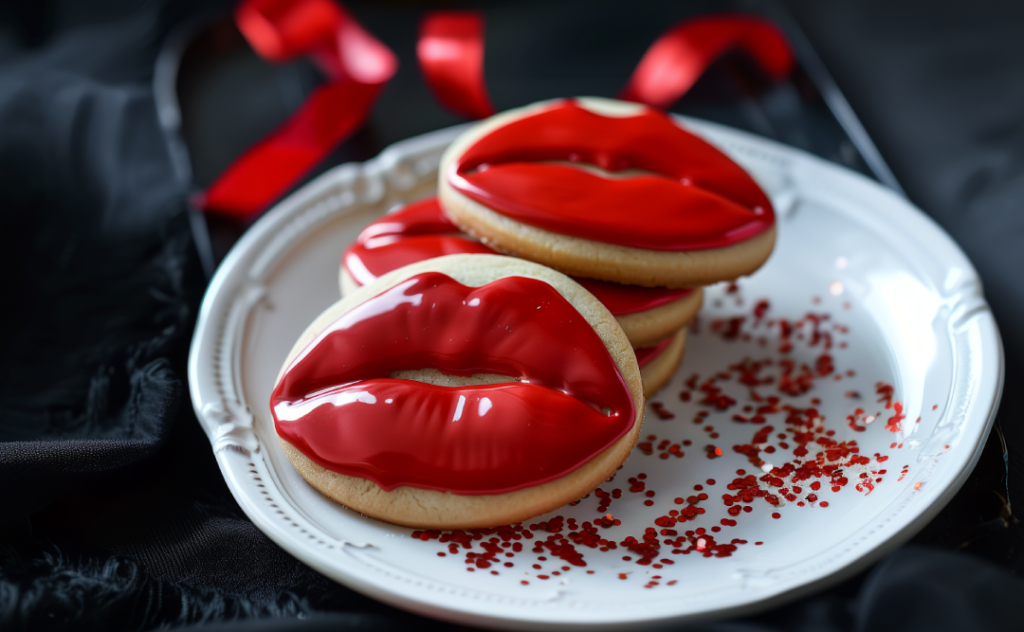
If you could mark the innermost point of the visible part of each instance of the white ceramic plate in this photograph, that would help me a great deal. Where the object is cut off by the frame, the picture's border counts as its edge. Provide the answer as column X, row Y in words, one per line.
column 914, row 315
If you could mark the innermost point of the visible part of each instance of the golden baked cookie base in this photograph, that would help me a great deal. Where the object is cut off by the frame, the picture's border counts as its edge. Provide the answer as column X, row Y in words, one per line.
column 650, row 326
column 413, row 507
column 657, row 373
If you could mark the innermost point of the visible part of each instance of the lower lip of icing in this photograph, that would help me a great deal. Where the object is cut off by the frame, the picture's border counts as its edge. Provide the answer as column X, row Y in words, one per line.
column 422, row 231
column 699, row 199
column 337, row 404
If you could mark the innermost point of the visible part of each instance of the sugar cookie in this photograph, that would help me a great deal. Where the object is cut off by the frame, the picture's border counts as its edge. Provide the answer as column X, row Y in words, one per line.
column 609, row 190
column 459, row 392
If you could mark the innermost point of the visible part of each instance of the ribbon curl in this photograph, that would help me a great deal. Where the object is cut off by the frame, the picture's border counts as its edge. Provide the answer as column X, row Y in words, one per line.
column 451, row 55
column 450, row 51
column 357, row 66
column 678, row 58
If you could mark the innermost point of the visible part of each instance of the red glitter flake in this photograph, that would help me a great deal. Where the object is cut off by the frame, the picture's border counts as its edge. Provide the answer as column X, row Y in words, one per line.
column 903, row 473
column 894, row 424
column 729, row 328
column 662, row 412
column 885, row 393
column 856, row 418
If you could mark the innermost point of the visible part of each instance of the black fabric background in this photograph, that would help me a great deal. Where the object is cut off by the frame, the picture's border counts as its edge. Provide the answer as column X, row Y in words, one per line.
column 114, row 515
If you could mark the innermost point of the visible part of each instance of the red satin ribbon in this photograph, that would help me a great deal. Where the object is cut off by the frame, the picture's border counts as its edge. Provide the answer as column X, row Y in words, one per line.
column 357, row 66
column 678, row 58
column 451, row 55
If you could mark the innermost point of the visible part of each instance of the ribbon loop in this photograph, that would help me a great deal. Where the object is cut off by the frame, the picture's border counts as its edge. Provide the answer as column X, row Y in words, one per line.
column 450, row 51
column 451, row 56
column 678, row 58
column 357, row 66
column 280, row 30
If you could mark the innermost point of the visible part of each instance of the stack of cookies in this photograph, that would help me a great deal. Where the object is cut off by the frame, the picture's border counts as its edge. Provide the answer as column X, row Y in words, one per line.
column 475, row 390
column 636, row 209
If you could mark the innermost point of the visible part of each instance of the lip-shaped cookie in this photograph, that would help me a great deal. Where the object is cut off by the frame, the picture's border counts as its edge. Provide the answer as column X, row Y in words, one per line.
column 405, row 451
column 646, row 202
column 421, row 230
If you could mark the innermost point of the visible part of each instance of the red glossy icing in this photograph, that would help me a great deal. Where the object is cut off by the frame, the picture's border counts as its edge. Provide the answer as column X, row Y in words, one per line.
column 647, row 355
column 418, row 232
column 699, row 198
column 621, row 299
column 422, row 231
column 337, row 404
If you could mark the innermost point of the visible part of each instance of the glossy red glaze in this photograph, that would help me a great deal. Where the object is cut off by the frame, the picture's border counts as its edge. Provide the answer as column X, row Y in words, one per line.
column 698, row 199
column 422, row 231
column 337, row 404
column 621, row 299
column 647, row 355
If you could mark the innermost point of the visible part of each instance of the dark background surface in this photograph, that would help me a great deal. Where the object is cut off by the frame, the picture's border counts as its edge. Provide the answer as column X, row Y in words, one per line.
column 114, row 513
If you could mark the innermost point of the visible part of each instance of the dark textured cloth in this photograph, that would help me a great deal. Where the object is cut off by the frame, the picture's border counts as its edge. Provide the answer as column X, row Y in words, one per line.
column 90, row 229
column 116, row 516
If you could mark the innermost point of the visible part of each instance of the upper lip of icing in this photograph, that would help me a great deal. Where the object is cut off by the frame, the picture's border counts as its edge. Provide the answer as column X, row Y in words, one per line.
column 556, row 143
